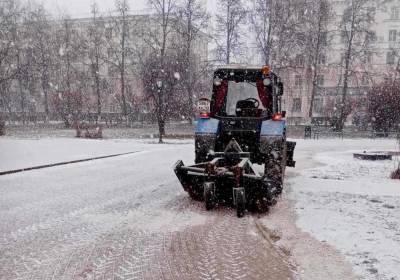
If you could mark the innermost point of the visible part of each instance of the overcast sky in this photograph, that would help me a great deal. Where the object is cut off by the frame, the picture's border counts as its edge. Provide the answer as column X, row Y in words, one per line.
column 81, row 8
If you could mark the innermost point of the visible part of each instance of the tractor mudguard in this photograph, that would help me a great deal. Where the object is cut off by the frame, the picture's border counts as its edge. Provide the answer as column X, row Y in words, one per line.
column 272, row 135
column 207, row 126
column 205, row 137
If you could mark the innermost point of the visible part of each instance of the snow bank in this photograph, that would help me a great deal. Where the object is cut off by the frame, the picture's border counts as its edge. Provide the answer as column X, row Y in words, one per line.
column 351, row 204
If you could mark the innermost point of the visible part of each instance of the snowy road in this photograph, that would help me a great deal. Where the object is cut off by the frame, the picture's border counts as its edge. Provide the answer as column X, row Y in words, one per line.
column 128, row 217
column 120, row 218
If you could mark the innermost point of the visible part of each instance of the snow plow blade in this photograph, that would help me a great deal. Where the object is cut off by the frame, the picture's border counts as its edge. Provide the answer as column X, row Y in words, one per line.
column 228, row 178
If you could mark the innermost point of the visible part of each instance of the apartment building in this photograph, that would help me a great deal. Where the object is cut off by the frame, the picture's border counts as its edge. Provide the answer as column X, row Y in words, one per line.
column 373, row 64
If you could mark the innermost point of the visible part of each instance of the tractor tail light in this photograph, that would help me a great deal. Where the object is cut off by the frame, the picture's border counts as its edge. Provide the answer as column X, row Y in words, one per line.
column 277, row 117
column 204, row 115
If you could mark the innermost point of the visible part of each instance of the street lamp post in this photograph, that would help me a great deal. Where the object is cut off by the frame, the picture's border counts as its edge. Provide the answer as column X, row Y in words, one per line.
column 159, row 85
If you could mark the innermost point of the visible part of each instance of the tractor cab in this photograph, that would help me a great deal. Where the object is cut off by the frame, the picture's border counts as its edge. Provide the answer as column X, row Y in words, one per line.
column 243, row 98
column 246, row 92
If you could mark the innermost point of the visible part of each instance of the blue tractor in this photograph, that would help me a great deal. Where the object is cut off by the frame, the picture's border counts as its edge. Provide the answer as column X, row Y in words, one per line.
column 245, row 125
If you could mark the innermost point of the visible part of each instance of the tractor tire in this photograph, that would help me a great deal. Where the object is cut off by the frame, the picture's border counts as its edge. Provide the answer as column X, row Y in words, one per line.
column 275, row 166
column 209, row 195
column 240, row 203
column 265, row 198
column 261, row 205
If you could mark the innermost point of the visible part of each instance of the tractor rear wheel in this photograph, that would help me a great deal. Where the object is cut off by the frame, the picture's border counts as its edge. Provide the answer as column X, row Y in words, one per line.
column 275, row 166
column 265, row 197
column 209, row 195
column 240, row 199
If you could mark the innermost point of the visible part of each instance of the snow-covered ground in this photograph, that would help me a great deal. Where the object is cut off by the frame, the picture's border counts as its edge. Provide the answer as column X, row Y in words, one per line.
column 128, row 217
column 23, row 153
column 351, row 204
column 119, row 218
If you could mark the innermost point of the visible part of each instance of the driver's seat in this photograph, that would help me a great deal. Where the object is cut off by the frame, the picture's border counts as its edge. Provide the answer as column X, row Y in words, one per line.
column 247, row 108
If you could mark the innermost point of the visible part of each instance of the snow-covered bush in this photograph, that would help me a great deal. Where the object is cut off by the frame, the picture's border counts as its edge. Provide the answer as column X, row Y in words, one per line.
column 384, row 105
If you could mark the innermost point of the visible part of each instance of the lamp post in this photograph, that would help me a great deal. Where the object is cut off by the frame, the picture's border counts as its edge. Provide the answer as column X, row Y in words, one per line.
column 161, row 130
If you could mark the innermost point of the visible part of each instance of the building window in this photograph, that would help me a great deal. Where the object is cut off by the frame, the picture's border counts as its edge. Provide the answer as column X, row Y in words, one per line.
column 297, row 80
column 371, row 36
column 324, row 38
column 395, row 13
column 318, row 105
column 371, row 11
column 390, row 58
column 299, row 60
column 109, row 52
column 108, row 33
column 296, row 105
column 320, row 80
column 392, row 35
column 344, row 36
column 366, row 57
column 342, row 58
column 322, row 59
column 365, row 80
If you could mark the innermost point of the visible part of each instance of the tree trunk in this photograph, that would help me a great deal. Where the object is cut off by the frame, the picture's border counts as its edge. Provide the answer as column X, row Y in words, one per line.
column 316, row 65
column 228, row 36
column 191, row 113
column 45, row 84
column 268, row 41
column 342, row 116
column 21, row 89
column 161, row 105
column 188, row 65
column 98, row 92
column 161, row 128
column 122, row 66
column 22, row 96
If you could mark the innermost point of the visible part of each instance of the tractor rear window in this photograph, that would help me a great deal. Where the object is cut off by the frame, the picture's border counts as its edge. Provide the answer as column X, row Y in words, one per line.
column 240, row 91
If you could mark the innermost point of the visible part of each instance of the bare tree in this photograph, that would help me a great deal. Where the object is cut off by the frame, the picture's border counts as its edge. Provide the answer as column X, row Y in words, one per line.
column 193, row 18
column 354, row 31
column 158, row 39
column 95, row 52
column 316, row 33
column 69, row 75
column 43, row 51
column 24, row 64
column 384, row 105
column 9, row 19
column 278, row 27
column 229, row 19
column 266, row 19
column 119, row 50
